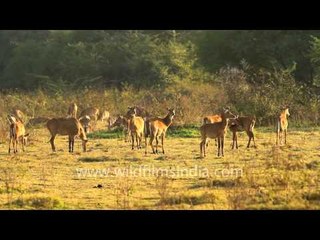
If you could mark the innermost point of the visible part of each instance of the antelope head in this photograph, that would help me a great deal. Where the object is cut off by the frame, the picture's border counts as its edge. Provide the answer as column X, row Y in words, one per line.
column 132, row 111
column 171, row 112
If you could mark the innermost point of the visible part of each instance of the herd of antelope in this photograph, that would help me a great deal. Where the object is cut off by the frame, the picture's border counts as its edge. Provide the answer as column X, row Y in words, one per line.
column 138, row 124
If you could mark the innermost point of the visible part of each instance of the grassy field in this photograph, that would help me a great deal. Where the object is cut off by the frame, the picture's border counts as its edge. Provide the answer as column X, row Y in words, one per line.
column 112, row 176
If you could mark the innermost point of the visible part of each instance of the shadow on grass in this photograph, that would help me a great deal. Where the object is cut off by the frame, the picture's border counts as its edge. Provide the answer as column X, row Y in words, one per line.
column 39, row 203
column 188, row 199
column 228, row 183
column 98, row 159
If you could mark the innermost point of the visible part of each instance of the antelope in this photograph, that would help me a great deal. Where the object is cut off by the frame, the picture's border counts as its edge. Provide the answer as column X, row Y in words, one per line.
column 17, row 132
column 212, row 119
column 66, row 126
column 215, row 130
column 240, row 124
column 85, row 122
column 157, row 127
column 92, row 112
column 282, row 125
column 105, row 115
column 141, row 112
column 72, row 111
column 124, row 121
column 136, row 126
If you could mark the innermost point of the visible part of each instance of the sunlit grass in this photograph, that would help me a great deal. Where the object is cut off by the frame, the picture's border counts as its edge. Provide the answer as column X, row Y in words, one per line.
column 284, row 177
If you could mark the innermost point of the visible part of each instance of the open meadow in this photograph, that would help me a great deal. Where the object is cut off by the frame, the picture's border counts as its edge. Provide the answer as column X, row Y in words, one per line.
column 112, row 176
column 187, row 85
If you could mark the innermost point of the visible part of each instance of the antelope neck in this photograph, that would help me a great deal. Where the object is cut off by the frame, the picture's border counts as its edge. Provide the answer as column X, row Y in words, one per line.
column 224, row 119
column 283, row 114
column 167, row 120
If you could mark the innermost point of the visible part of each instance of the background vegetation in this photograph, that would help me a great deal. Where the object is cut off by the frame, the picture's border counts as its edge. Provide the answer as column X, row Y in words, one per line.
column 197, row 72
column 254, row 72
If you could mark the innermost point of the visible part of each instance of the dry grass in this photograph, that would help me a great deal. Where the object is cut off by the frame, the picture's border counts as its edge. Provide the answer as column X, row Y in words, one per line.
column 285, row 177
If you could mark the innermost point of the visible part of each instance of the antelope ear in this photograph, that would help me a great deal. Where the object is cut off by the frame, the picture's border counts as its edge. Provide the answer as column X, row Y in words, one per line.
column 27, row 135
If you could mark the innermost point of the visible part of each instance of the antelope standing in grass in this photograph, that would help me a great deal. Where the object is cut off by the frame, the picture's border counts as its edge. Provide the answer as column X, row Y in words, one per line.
column 215, row 130
column 139, row 112
column 240, row 124
column 212, row 119
column 66, row 126
column 72, row 111
column 92, row 112
column 105, row 115
column 282, row 125
column 122, row 121
column 136, row 126
column 157, row 127
column 85, row 122
column 17, row 132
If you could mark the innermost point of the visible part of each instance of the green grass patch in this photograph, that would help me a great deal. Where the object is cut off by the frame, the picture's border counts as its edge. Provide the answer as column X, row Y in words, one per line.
column 112, row 134
column 174, row 131
column 190, row 131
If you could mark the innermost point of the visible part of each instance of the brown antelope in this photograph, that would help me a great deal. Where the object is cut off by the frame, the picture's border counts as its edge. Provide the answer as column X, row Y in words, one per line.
column 215, row 130
column 122, row 121
column 141, row 112
column 157, row 127
column 105, row 115
column 282, row 125
column 66, row 126
column 72, row 111
column 85, row 122
column 136, row 126
column 92, row 112
column 17, row 132
column 240, row 124
column 212, row 119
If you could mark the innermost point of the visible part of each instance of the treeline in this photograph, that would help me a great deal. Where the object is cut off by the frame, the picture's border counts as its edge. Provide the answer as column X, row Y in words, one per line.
column 255, row 72
column 57, row 60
